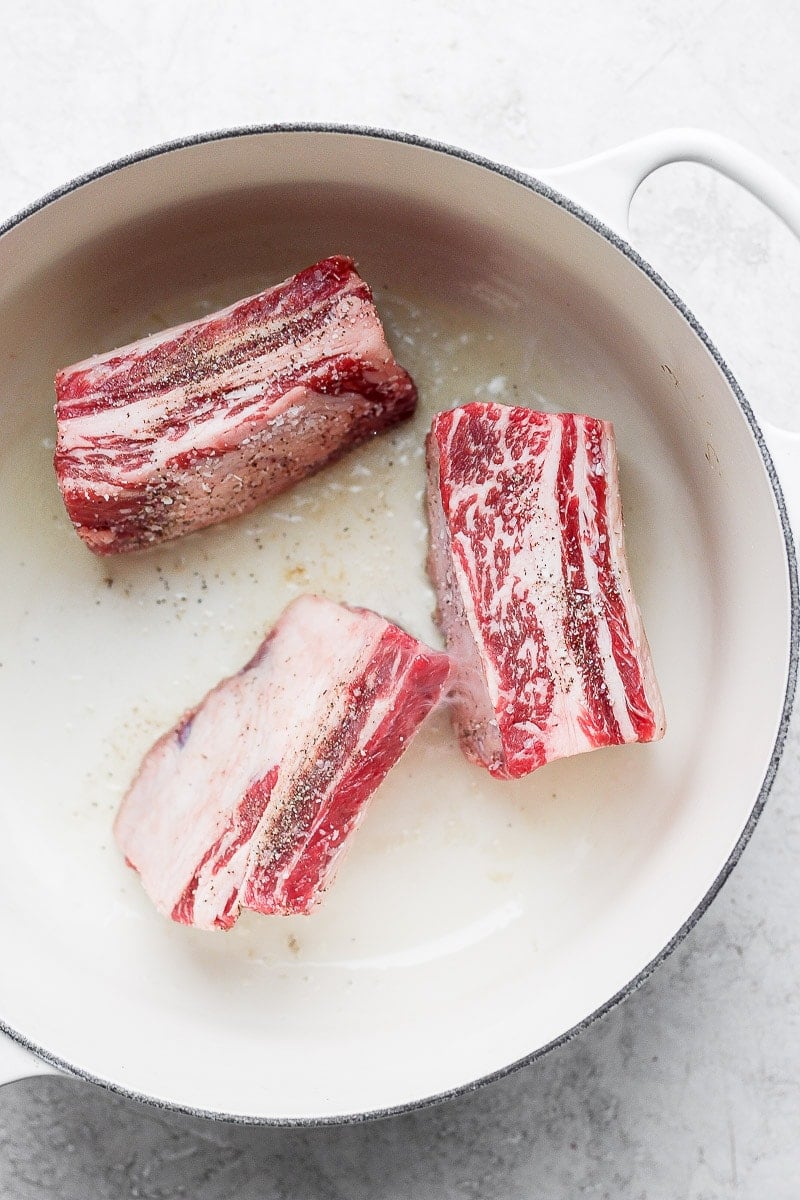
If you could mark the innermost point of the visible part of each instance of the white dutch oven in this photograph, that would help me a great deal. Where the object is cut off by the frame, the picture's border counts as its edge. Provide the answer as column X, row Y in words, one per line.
column 475, row 923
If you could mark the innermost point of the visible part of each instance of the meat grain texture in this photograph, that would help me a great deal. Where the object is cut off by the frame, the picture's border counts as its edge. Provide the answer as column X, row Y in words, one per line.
column 250, row 800
column 527, row 555
column 204, row 421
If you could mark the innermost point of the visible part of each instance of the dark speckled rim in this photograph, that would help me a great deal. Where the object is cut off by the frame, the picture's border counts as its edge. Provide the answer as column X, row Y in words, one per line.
column 542, row 189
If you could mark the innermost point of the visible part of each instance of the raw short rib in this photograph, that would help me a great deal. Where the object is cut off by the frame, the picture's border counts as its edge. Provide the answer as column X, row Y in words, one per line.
column 204, row 421
column 249, row 801
column 550, row 656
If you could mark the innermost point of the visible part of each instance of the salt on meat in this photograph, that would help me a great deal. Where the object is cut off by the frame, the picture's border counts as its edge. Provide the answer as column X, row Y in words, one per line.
column 250, row 800
column 202, row 422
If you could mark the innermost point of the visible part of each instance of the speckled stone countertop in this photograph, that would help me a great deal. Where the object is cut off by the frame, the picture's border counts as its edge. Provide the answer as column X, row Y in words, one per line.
column 691, row 1088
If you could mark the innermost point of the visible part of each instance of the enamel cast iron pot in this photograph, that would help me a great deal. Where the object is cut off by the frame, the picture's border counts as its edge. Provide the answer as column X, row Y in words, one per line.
column 475, row 924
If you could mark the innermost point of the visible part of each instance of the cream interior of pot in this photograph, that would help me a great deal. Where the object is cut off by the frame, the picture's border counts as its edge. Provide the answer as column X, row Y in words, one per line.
column 473, row 921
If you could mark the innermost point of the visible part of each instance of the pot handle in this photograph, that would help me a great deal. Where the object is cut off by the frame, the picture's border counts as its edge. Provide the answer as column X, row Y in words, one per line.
column 17, row 1062
column 606, row 183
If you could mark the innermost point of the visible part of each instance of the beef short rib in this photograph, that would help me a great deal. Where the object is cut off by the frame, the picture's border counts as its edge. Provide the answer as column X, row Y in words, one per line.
column 527, row 556
column 202, row 422
column 250, row 800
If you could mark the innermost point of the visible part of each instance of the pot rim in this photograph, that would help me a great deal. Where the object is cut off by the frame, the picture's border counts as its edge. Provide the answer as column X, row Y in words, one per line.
column 536, row 185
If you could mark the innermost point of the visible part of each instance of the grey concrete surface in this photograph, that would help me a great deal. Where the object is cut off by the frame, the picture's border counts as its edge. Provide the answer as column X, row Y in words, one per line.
column 691, row 1088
